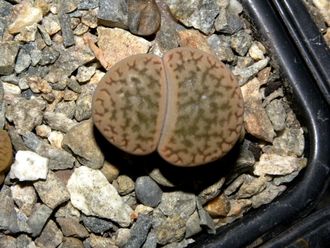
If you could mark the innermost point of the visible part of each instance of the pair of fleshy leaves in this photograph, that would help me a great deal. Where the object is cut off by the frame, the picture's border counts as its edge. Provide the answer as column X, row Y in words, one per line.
column 187, row 105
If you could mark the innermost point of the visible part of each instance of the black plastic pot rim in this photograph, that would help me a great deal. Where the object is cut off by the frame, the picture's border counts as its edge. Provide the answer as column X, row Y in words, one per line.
column 279, row 24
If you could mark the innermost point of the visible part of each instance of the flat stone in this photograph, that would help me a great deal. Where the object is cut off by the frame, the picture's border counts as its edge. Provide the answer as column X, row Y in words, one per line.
column 11, row 89
column 143, row 17
column 276, row 113
column 178, row 203
column 8, row 216
column 256, row 121
column 199, row 14
column 67, row 33
column 117, row 44
column 23, row 241
column 45, row 36
column 252, row 186
column 113, row 13
column 38, row 85
column 97, row 225
column 23, row 61
column 55, row 139
column 26, row 114
column 2, row 106
column 38, row 218
column 25, row 197
column 29, row 166
column 121, row 237
column 267, row 195
column 59, row 121
column 90, row 18
column 124, row 185
column 59, row 159
column 139, row 231
column 52, row 192
column 110, row 171
column 257, row 51
column 205, row 218
column 71, row 227
column 211, row 191
column 69, row 242
column 50, row 236
column 85, row 73
column 238, row 207
column 218, row 207
column 272, row 164
column 193, row 225
column 87, row 186
column 26, row 15
column 51, row 24
column 88, row 4
column 49, row 56
column 228, row 22
column 7, row 241
column 158, row 177
column 9, row 51
column 88, row 152
column 6, row 151
column 28, row 34
column 147, row 191
column 151, row 241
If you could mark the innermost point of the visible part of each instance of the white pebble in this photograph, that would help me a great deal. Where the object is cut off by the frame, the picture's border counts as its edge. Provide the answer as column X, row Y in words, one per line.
column 29, row 166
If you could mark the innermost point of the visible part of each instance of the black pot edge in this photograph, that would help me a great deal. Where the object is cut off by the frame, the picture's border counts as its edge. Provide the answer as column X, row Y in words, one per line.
column 314, row 115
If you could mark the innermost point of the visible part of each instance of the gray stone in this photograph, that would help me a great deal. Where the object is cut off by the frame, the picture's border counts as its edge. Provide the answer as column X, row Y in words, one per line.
column 22, row 220
column 181, row 244
column 98, row 241
column 147, row 191
column 36, row 56
column 26, row 114
column 50, row 237
column 59, row 121
column 71, row 227
column 23, row 61
column 69, row 60
column 121, row 236
column 233, row 186
column 45, row 36
column 84, row 105
column 267, row 195
column 24, row 241
column 199, row 14
column 276, row 114
column 51, row 24
column 178, row 203
column 85, row 73
column 38, row 218
column 244, row 74
column 52, row 191
column 49, row 56
column 139, row 232
column 252, row 187
column 241, row 42
column 193, row 225
column 143, row 17
column 59, row 159
column 157, row 175
column 113, row 13
column 151, row 241
column 67, row 33
column 124, row 184
column 228, row 23
column 8, row 216
column 74, row 85
column 211, row 191
column 66, row 108
column 88, row 152
column 69, row 242
column 220, row 45
column 88, row 4
column 8, row 51
column 97, row 225
column 2, row 107
column 25, row 197
column 87, row 186
column 29, row 166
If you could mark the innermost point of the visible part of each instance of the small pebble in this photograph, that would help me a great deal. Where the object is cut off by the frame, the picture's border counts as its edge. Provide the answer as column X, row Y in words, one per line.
column 147, row 191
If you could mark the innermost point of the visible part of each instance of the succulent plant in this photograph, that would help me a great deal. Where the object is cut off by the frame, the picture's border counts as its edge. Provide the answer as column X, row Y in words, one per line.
column 187, row 105
column 6, row 151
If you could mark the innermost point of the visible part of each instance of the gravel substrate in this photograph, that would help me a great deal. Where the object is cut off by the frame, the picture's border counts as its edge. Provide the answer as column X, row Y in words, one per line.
column 63, row 185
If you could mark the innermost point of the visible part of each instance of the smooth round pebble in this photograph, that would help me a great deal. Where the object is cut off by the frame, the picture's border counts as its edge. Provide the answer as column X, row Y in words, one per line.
column 147, row 191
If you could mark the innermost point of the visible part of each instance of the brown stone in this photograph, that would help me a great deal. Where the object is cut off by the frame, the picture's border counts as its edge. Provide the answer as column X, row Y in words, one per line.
column 143, row 17
column 218, row 207
column 194, row 39
column 6, row 151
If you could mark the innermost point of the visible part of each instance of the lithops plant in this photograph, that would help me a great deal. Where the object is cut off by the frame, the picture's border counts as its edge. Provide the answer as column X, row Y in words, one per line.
column 6, row 151
column 187, row 105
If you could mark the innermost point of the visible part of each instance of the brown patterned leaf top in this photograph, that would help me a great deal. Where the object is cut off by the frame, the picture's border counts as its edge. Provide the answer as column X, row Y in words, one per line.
column 187, row 105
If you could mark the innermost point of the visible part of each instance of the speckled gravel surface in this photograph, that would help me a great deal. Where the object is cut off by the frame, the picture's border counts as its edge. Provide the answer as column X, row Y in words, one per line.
column 66, row 186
